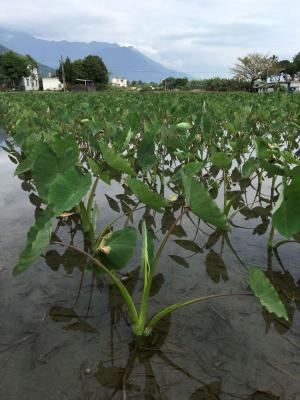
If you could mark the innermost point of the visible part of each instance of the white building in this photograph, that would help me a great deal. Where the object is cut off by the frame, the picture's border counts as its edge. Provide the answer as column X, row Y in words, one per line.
column 295, row 86
column 119, row 82
column 31, row 82
column 52, row 84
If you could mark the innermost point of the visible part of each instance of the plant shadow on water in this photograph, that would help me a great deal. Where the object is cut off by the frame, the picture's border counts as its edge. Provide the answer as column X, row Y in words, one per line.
column 222, row 349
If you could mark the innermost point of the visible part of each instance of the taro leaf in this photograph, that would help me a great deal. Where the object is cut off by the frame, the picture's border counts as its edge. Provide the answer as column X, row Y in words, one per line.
column 272, row 169
column 116, row 249
column 45, row 170
column 249, row 167
column 113, row 204
column 184, row 125
column 189, row 245
column 28, row 163
column 145, row 195
column 94, row 166
column 191, row 168
column 114, row 160
column 265, row 292
column 215, row 267
column 24, row 166
column 179, row 260
column 221, row 160
column 38, row 239
column 286, row 216
column 98, row 171
column 145, row 153
column 68, row 189
column 202, row 204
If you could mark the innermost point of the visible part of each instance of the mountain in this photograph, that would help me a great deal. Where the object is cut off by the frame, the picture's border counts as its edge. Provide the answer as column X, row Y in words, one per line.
column 120, row 60
column 44, row 70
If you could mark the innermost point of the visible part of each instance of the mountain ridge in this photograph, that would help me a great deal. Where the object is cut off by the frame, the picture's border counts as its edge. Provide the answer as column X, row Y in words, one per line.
column 44, row 70
column 124, row 61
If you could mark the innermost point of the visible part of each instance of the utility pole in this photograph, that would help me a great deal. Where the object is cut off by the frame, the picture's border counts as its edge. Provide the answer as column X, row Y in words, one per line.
column 63, row 72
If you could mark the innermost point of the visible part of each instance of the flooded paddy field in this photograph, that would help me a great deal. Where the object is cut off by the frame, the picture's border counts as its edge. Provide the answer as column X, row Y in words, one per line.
column 65, row 331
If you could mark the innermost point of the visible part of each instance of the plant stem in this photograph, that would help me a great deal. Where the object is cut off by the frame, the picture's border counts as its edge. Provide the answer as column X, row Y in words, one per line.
column 148, row 276
column 165, row 311
column 123, row 291
column 91, row 197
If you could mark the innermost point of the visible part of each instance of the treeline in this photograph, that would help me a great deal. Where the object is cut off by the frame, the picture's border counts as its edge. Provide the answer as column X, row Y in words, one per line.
column 13, row 67
column 211, row 84
column 256, row 66
column 90, row 68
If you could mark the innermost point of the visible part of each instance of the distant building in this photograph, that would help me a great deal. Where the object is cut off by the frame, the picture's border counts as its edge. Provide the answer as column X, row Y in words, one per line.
column 31, row 82
column 294, row 86
column 52, row 84
column 273, row 86
column 119, row 82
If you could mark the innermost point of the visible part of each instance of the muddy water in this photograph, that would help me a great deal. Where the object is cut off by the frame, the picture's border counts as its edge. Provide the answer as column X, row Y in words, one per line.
column 63, row 336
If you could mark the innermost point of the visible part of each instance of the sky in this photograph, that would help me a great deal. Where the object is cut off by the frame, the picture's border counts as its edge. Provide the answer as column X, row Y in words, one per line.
column 199, row 37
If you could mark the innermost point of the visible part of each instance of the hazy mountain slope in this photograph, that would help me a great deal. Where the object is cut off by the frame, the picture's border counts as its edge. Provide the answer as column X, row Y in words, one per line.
column 120, row 61
column 43, row 69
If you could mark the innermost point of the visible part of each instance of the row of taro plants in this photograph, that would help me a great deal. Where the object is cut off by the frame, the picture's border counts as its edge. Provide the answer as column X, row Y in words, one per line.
column 172, row 154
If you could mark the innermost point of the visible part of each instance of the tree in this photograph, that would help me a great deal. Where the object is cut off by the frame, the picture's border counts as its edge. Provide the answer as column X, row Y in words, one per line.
column 68, row 70
column 95, row 69
column 91, row 67
column 296, row 62
column 13, row 67
column 253, row 66
column 288, row 69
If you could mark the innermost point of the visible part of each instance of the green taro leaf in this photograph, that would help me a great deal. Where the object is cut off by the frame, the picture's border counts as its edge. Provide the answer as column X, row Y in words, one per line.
column 191, row 168
column 38, row 239
column 221, row 160
column 145, row 153
column 28, row 163
column 184, row 125
column 68, row 189
column 145, row 195
column 249, row 167
column 117, row 248
column 114, row 160
column 286, row 215
column 265, row 292
column 202, row 204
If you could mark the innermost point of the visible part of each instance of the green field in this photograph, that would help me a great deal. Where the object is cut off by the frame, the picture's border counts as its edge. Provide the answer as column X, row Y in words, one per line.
column 139, row 175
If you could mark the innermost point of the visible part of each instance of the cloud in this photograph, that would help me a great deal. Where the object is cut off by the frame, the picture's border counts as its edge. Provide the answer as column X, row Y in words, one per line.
column 203, row 37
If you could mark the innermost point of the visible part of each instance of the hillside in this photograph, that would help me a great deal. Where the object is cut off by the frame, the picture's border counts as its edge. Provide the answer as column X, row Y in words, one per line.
column 43, row 69
column 120, row 61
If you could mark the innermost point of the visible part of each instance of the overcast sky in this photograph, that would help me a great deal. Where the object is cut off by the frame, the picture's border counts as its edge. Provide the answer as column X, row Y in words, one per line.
column 200, row 37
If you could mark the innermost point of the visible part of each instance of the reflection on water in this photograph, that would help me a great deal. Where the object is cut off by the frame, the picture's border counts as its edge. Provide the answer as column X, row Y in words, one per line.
column 64, row 331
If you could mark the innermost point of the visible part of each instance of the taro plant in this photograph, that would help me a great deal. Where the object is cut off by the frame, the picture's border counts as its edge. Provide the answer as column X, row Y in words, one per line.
column 71, row 144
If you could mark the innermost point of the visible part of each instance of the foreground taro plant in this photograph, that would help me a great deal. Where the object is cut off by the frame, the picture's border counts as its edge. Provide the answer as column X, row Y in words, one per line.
column 110, row 250
column 64, row 155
